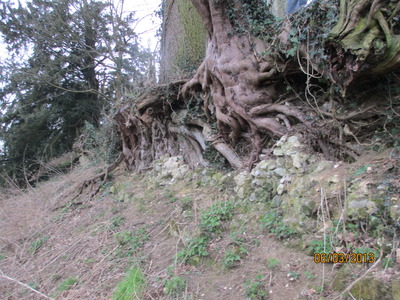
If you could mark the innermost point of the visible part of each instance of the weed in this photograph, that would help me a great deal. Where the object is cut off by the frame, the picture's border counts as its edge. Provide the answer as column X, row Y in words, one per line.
column 197, row 247
column 2, row 256
column 234, row 255
column 186, row 203
column 213, row 218
column 387, row 262
column 88, row 261
column 273, row 263
column 33, row 285
column 272, row 223
column 67, row 284
column 231, row 257
column 237, row 238
column 372, row 255
column 173, row 199
column 174, row 286
column 318, row 246
column 132, row 241
column 55, row 277
column 116, row 222
column 309, row 275
column 255, row 288
column 132, row 286
column 115, row 210
column 294, row 275
column 105, row 189
column 36, row 245
column 361, row 170
column 366, row 250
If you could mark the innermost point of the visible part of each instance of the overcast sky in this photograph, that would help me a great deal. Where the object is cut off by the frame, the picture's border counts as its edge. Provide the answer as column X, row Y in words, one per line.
column 147, row 26
column 148, row 21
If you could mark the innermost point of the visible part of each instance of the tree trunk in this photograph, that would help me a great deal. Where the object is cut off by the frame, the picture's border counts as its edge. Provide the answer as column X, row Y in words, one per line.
column 259, row 82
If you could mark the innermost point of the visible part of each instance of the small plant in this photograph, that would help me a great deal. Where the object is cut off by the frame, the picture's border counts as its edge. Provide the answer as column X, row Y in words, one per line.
column 67, row 284
column 237, row 238
column 234, row 255
column 174, row 286
column 372, row 255
column 132, row 286
column 173, row 199
column 2, row 256
column 366, row 250
column 195, row 248
column 88, row 261
column 36, row 245
column 186, row 203
column 272, row 222
column 273, row 263
column 309, row 275
column 294, row 275
column 255, row 288
column 116, row 222
column 231, row 257
column 361, row 170
column 387, row 262
column 317, row 246
column 213, row 218
column 132, row 241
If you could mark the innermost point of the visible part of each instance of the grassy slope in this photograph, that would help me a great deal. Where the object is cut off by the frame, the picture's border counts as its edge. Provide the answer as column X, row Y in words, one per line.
column 83, row 249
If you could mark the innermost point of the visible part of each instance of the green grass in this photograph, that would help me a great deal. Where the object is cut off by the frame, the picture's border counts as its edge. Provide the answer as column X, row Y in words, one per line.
column 174, row 286
column 37, row 244
column 132, row 286
column 273, row 263
column 255, row 288
column 131, row 241
column 116, row 222
column 197, row 247
column 67, row 284
column 186, row 203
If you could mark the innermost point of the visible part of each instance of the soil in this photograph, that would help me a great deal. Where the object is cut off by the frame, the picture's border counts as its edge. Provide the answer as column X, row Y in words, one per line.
column 47, row 238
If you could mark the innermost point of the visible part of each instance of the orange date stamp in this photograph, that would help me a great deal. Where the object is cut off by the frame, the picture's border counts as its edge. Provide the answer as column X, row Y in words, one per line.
column 353, row 258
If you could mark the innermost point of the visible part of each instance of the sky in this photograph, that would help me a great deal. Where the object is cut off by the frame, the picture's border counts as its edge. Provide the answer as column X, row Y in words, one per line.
column 146, row 27
column 148, row 22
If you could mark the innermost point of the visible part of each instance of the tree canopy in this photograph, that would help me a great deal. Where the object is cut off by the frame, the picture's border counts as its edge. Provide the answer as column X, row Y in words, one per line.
column 69, row 60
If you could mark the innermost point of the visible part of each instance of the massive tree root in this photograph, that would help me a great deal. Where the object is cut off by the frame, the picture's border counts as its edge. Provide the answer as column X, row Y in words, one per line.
column 365, row 41
column 250, row 91
column 159, row 124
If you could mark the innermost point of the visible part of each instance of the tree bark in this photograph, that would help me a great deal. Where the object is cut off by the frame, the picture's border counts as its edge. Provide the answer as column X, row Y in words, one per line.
column 254, row 90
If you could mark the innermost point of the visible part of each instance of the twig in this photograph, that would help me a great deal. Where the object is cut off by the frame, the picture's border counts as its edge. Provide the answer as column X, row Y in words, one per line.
column 24, row 285
column 362, row 276
column 324, row 227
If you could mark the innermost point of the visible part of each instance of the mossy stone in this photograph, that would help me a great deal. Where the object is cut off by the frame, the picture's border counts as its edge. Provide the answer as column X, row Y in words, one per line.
column 396, row 289
column 342, row 278
column 370, row 289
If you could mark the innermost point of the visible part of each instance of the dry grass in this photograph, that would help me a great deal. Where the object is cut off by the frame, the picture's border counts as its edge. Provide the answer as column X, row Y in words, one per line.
column 28, row 222
column 48, row 237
